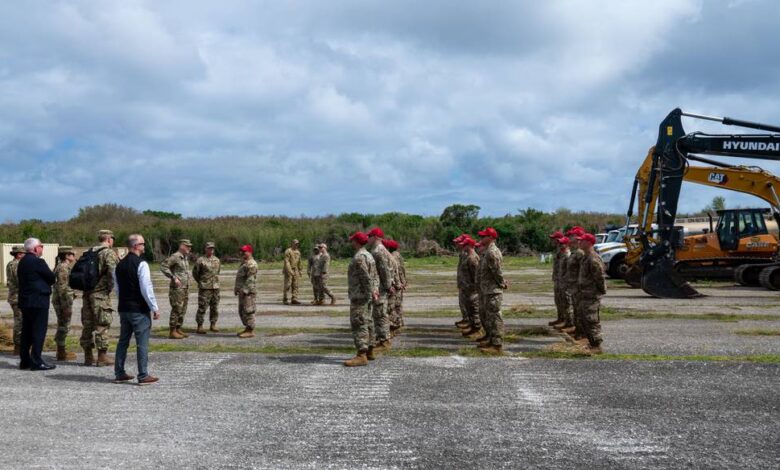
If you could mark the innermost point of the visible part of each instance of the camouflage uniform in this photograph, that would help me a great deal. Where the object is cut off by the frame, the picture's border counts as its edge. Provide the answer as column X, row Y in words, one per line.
column 62, row 301
column 362, row 281
column 13, row 298
column 206, row 274
column 384, row 268
column 246, row 290
column 491, row 294
column 572, row 273
column 562, row 300
column 310, row 269
column 292, row 273
column 399, row 294
column 591, row 287
column 176, row 266
column 468, row 289
column 463, row 312
column 96, row 310
column 392, row 299
column 320, row 273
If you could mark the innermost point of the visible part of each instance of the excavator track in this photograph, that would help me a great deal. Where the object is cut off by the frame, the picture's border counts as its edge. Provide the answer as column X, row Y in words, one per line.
column 770, row 277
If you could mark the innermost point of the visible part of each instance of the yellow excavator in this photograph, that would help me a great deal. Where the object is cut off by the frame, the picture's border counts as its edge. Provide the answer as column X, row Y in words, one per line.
column 739, row 247
column 663, row 259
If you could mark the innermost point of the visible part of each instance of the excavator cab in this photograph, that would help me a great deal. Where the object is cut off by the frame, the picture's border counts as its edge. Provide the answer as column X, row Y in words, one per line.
column 737, row 224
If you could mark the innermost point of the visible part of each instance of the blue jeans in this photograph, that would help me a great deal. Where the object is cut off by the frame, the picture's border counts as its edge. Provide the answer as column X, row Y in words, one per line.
column 140, row 325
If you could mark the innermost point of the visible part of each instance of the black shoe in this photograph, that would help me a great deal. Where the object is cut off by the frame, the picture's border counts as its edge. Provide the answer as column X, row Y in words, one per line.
column 44, row 366
column 24, row 366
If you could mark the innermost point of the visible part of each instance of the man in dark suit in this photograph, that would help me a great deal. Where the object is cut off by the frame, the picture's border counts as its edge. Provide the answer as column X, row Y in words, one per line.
column 35, row 281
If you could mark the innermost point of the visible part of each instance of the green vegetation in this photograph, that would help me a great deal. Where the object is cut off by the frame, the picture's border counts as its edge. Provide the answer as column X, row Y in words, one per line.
column 759, row 332
column 522, row 233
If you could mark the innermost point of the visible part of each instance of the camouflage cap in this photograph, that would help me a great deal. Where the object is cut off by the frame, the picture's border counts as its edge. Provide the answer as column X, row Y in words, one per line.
column 65, row 249
column 105, row 232
column 296, row 242
column 210, row 245
column 17, row 249
column 185, row 242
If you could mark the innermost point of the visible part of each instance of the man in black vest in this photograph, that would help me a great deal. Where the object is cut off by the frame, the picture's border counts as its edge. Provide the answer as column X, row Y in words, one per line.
column 35, row 281
column 137, row 307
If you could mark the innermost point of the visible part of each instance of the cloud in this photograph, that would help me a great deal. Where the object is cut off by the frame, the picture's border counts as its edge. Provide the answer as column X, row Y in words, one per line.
column 371, row 106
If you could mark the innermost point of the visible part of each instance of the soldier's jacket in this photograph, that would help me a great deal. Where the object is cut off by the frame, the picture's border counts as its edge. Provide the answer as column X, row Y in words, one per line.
column 107, row 261
column 396, row 277
column 362, row 278
column 559, row 268
column 384, row 267
column 13, row 280
column 292, row 262
column 246, row 277
column 491, row 278
column 467, row 272
column 176, row 266
column 310, row 265
column 401, row 267
column 61, row 289
column 322, row 265
column 573, row 269
column 591, row 279
column 206, row 272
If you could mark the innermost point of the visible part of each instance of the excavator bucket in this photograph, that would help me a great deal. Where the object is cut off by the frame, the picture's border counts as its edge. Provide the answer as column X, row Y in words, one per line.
column 662, row 281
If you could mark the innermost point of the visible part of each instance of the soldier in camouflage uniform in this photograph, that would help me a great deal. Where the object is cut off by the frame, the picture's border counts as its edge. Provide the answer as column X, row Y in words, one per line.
column 292, row 273
column 206, row 274
column 96, row 310
column 392, row 299
column 321, row 269
column 400, row 267
column 176, row 268
column 62, row 300
column 592, row 287
column 464, row 315
column 13, row 294
column 246, row 290
column 384, row 267
column 491, row 292
column 562, row 302
column 363, row 291
column 571, row 273
column 310, row 271
column 468, row 289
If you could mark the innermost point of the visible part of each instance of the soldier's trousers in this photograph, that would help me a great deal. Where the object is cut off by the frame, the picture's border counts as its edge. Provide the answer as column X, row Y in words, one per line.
column 322, row 288
column 179, row 298
column 246, row 309
column 576, row 317
column 361, row 322
column 563, row 306
column 291, row 286
column 96, row 317
column 392, row 310
column 493, row 321
column 17, row 323
column 207, row 299
column 591, row 323
column 469, row 302
column 399, row 308
column 64, row 313
column 381, row 320
column 315, row 288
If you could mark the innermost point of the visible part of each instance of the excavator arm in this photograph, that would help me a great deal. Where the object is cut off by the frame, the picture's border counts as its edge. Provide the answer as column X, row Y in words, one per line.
column 668, row 168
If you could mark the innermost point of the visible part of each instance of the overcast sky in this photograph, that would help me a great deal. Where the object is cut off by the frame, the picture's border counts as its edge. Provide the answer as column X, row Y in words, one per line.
column 273, row 107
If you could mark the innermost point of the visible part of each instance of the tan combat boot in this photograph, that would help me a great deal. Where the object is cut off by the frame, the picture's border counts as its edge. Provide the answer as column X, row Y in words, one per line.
column 582, row 341
column 89, row 359
column 200, row 330
column 63, row 355
column 595, row 349
column 213, row 327
column 174, row 334
column 247, row 333
column 494, row 350
column 182, row 333
column 361, row 359
column 569, row 330
column 104, row 359
column 462, row 323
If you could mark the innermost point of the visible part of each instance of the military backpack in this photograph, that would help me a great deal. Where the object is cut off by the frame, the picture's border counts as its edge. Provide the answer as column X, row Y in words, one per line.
column 85, row 273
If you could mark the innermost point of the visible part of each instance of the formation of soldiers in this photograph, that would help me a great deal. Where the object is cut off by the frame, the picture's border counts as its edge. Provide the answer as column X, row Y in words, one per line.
column 376, row 282
column 579, row 284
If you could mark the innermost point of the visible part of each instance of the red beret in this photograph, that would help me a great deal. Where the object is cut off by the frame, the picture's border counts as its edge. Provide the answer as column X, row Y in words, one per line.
column 563, row 240
column 556, row 235
column 390, row 244
column 247, row 248
column 359, row 237
column 376, row 232
column 587, row 237
column 468, row 241
column 575, row 231
column 459, row 238
column 488, row 232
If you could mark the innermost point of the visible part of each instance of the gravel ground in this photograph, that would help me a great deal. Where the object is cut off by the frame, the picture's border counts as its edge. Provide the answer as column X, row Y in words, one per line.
column 256, row 411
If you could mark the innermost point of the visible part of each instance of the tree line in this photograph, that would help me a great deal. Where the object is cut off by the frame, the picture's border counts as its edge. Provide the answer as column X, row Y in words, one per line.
column 522, row 233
